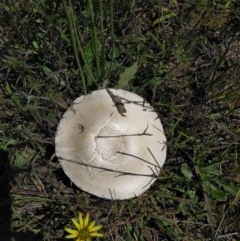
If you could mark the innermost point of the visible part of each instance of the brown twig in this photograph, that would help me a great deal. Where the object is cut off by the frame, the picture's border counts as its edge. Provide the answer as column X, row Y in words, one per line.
column 144, row 133
column 118, row 103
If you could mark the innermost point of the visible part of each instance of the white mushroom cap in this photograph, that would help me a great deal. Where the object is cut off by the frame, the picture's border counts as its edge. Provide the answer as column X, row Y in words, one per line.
column 109, row 154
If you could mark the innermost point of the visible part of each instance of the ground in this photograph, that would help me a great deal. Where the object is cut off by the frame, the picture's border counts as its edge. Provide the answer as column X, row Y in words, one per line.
column 181, row 56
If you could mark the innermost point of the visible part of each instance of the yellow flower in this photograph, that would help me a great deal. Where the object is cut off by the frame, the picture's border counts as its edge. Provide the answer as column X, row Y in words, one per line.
column 84, row 231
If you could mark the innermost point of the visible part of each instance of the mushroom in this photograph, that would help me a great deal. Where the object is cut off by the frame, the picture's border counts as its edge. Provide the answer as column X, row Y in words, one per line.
column 111, row 144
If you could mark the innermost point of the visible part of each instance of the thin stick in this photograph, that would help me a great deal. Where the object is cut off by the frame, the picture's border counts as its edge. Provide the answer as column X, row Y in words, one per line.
column 107, row 169
column 144, row 133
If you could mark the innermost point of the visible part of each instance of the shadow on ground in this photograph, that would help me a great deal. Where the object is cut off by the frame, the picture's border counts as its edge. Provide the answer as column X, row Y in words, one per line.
column 6, row 234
